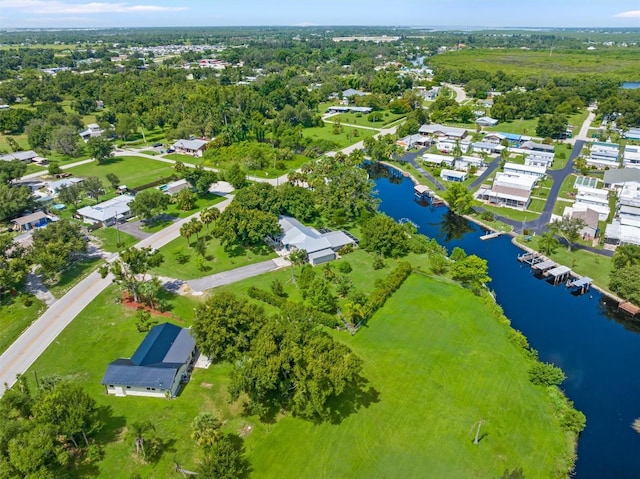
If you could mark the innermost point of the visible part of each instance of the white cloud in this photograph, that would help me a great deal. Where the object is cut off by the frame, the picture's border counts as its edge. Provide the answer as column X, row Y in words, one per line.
column 629, row 14
column 42, row 7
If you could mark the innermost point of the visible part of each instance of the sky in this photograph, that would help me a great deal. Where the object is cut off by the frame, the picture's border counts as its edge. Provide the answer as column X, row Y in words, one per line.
column 439, row 13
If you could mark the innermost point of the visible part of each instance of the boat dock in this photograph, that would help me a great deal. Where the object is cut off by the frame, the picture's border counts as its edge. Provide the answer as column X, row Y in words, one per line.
column 422, row 192
column 489, row 236
column 555, row 273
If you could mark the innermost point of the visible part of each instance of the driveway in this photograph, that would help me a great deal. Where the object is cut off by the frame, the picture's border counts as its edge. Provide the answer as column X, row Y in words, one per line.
column 228, row 277
column 133, row 228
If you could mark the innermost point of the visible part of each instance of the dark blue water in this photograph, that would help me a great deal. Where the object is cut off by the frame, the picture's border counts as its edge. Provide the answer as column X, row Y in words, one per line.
column 600, row 357
column 631, row 85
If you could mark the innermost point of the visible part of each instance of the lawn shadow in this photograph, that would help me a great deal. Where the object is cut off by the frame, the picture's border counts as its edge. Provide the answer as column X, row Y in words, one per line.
column 354, row 398
column 112, row 160
column 244, row 467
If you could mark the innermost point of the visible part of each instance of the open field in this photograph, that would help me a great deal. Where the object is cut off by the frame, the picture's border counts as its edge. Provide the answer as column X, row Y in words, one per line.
column 215, row 258
column 15, row 318
column 270, row 172
column 519, row 127
column 362, row 119
column 436, row 359
column 345, row 138
column 618, row 63
column 132, row 171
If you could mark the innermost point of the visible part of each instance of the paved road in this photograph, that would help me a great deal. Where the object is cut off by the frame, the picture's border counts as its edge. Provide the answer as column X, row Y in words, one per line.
column 37, row 338
column 410, row 158
column 228, row 277
column 461, row 95
column 485, row 174
column 38, row 174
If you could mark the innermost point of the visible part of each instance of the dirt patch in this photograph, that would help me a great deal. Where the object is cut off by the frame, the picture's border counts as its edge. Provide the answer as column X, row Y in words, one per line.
column 128, row 301
column 206, row 385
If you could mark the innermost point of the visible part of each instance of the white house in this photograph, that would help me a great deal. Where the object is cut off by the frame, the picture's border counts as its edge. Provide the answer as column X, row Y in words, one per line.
column 453, row 175
column 540, row 159
column 53, row 187
column 93, row 130
column 24, row 156
column 629, row 194
column 604, row 155
column 616, row 178
column 413, row 141
column 465, row 162
column 533, row 146
column 320, row 247
column 515, row 168
column 447, row 145
column 157, row 368
column 631, row 156
column 441, row 131
column 190, row 147
column 495, row 138
column 486, row 121
column 486, row 147
column 590, row 218
column 595, row 199
column 107, row 212
column 510, row 190
column 437, row 159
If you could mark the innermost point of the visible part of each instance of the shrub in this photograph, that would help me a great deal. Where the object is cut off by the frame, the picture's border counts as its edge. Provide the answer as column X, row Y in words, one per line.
column 144, row 321
column 546, row 374
column 26, row 299
column 344, row 267
column 378, row 263
column 346, row 249
column 573, row 420
column 278, row 289
column 487, row 216
column 181, row 258
column 386, row 288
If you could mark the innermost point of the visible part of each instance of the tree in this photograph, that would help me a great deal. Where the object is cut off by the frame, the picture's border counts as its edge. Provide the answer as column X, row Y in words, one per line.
column 569, row 228
column 131, row 268
column 71, row 194
column 552, row 126
column 94, row 187
column 224, row 460
column 142, row 433
column 54, row 168
column 64, row 140
column 548, row 242
column 625, row 282
column 546, row 374
column 320, row 296
column 11, row 170
column 206, row 429
column 472, row 272
column 236, row 176
column 14, row 264
column 242, row 226
column 149, row 203
column 382, row 235
column 14, row 200
column 113, row 180
column 195, row 225
column 99, row 148
column 186, row 232
column 459, row 198
column 626, row 255
column 13, row 144
column 185, row 200
column 54, row 247
column 209, row 215
column 224, row 326
column 36, row 453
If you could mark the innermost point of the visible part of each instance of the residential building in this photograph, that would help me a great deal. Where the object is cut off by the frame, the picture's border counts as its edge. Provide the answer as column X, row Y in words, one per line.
column 629, row 194
column 463, row 163
column 157, row 368
column 515, row 168
column 590, row 217
column 350, row 109
column 622, row 231
column 31, row 221
column 539, row 159
column 604, row 155
column 631, row 156
column 615, row 179
column 533, row 146
column 487, row 147
column 349, row 92
column 495, row 138
column 453, row 175
column 93, row 130
column 595, row 199
column 107, row 212
column 437, row 159
column 447, row 145
column 486, row 121
column 53, row 187
column 24, row 156
column 320, row 247
column 413, row 141
column 440, row 131
column 175, row 187
column 510, row 190
column 190, row 147
column 632, row 134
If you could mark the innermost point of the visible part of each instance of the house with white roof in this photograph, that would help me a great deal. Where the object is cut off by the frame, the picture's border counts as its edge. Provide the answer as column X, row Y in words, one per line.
column 107, row 212
column 463, row 163
column 440, row 131
column 629, row 194
column 533, row 146
column 495, row 138
column 437, row 160
column 631, row 156
column 486, row 121
column 92, row 130
column 53, row 187
column 604, row 155
column 614, row 179
column 413, row 141
column 632, row 134
column 487, row 147
column 320, row 247
column 447, row 145
column 539, row 159
column 595, row 199
column 453, row 175
column 515, row 168
column 190, row 147
column 510, row 190
column 24, row 156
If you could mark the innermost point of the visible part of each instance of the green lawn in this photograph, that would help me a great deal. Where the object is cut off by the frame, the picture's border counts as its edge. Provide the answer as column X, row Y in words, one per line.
column 132, row 171
column 517, row 215
column 567, row 187
column 202, row 202
column 15, row 318
column 108, row 238
column 194, row 160
column 560, row 205
column 437, row 362
column 537, row 205
column 345, row 138
column 520, row 127
column 270, row 172
column 216, row 259
column 363, row 119
column 436, row 359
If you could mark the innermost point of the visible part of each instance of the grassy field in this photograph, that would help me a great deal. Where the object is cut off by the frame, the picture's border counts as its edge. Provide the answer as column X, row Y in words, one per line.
column 270, row 172
column 517, row 215
column 74, row 273
column 617, row 63
column 363, row 119
column 537, row 205
column 132, row 171
column 15, row 318
column 437, row 362
column 519, row 127
column 216, row 259
column 108, row 238
column 343, row 139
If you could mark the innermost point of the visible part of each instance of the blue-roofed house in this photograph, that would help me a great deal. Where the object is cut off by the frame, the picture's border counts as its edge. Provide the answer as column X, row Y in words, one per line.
column 158, row 366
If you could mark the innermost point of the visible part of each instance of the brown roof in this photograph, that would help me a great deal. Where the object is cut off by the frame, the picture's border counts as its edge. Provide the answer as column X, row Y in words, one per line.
column 589, row 216
column 507, row 190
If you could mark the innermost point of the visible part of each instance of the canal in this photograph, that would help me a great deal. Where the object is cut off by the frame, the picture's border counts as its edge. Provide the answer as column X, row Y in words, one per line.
column 598, row 349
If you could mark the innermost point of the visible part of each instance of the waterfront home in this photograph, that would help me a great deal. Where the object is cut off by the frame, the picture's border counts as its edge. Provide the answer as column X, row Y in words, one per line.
column 515, row 168
column 321, row 247
column 590, row 217
column 157, row 368
column 437, row 160
column 510, row 190
column 453, row 175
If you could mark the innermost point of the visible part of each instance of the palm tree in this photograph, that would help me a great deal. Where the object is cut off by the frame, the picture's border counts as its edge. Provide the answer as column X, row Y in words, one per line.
column 195, row 225
column 206, row 429
column 139, row 429
column 186, row 232
column 209, row 215
column 548, row 242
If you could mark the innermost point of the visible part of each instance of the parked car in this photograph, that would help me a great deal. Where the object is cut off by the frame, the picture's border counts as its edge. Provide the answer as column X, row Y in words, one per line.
column 157, row 145
column 170, row 150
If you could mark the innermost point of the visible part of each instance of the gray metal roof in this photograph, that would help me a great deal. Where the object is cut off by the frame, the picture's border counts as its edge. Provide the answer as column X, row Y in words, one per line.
column 621, row 175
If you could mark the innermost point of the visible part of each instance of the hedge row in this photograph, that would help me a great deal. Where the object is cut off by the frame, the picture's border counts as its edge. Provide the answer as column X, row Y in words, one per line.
column 390, row 285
